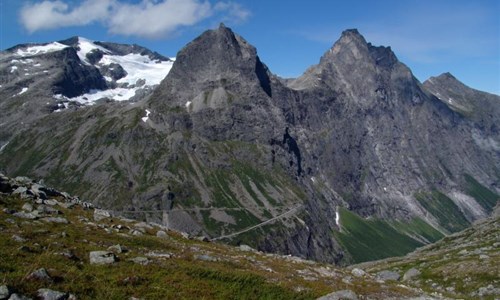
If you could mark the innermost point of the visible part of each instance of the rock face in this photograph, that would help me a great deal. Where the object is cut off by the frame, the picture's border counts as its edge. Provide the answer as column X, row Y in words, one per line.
column 224, row 148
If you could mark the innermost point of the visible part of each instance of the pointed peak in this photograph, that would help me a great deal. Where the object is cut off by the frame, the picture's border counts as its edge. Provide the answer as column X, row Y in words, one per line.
column 222, row 26
column 448, row 75
column 352, row 31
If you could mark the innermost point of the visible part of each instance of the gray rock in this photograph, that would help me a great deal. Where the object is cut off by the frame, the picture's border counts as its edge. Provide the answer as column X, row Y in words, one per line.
column 48, row 210
column 358, row 272
column 162, row 234
column 205, row 257
column 40, row 274
column 347, row 280
column 102, row 257
column 20, row 190
column 411, row 274
column 136, row 232
column 202, row 238
column 117, row 249
column 59, row 220
column 140, row 260
column 18, row 297
column 37, row 190
column 27, row 207
column 483, row 257
column 247, row 248
column 48, row 294
column 143, row 226
column 4, row 292
column 25, row 215
column 18, row 239
column 340, row 295
column 387, row 275
column 51, row 202
column 159, row 255
column 101, row 214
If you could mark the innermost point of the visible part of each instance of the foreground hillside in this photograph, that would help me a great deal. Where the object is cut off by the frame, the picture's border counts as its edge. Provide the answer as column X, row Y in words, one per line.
column 462, row 265
column 48, row 241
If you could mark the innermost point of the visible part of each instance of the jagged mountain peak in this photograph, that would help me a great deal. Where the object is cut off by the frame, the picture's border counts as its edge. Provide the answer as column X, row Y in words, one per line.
column 354, row 63
column 218, row 60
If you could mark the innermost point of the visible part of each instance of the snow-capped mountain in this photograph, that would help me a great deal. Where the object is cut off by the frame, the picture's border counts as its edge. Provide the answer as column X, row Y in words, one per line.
column 117, row 72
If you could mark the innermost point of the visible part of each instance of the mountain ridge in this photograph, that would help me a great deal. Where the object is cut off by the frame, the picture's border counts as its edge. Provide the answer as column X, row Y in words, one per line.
column 235, row 146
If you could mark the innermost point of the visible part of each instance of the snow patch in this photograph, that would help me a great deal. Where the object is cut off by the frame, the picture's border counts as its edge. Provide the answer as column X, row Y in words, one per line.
column 3, row 146
column 118, row 94
column 139, row 67
column 146, row 118
column 313, row 179
column 24, row 90
column 86, row 46
column 188, row 104
column 337, row 218
column 34, row 50
column 13, row 69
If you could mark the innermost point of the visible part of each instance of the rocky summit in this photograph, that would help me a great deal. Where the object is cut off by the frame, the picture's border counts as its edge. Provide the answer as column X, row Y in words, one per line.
column 355, row 160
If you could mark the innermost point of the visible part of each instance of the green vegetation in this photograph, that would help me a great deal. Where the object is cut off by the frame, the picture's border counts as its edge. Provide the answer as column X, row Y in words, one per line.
column 418, row 227
column 372, row 239
column 444, row 209
column 486, row 198
column 176, row 278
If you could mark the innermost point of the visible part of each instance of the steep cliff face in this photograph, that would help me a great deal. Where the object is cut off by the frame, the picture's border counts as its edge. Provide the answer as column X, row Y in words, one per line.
column 348, row 160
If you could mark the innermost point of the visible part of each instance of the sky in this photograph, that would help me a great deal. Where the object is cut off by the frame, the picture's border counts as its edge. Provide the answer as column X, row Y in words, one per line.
column 430, row 36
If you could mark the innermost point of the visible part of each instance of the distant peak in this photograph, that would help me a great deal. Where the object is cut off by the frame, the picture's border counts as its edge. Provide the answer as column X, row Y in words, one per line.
column 222, row 26
column 352, row 31
column 447, row 75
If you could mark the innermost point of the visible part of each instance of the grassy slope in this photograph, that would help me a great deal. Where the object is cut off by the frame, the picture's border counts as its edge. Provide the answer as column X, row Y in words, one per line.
column 486, row 198
column 444, row 209
column 456, row 266
column 374, row 239
column 235, row 274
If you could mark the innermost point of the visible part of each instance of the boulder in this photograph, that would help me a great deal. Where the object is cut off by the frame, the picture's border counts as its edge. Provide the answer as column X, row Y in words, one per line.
column 4, row 292
column 101, row 214
column 162, row 234
column 40, row 274
column 340, row 295
column 140, row 260
column 18, row 297
column 59, row 220
column 246, row 248
column 48, row 294
column 387, row 275
column 357, row 272
column 410, row 274
column 117, row 248
column 27, row 207
column 205, row 257
column 102, row 257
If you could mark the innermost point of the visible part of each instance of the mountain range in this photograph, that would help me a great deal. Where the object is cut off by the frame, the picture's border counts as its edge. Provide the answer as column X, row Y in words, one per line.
column 354, row 160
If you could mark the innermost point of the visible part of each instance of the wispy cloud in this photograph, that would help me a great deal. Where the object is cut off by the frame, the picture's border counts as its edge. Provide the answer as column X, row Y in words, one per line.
column 148, row 18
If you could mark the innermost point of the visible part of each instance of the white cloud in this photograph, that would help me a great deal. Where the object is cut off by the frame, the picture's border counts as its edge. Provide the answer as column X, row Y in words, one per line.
column 234, row 12
column 56, row 14
column 148, row 18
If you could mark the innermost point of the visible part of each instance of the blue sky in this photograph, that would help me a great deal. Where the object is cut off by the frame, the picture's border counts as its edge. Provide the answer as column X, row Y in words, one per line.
column 431, row 37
